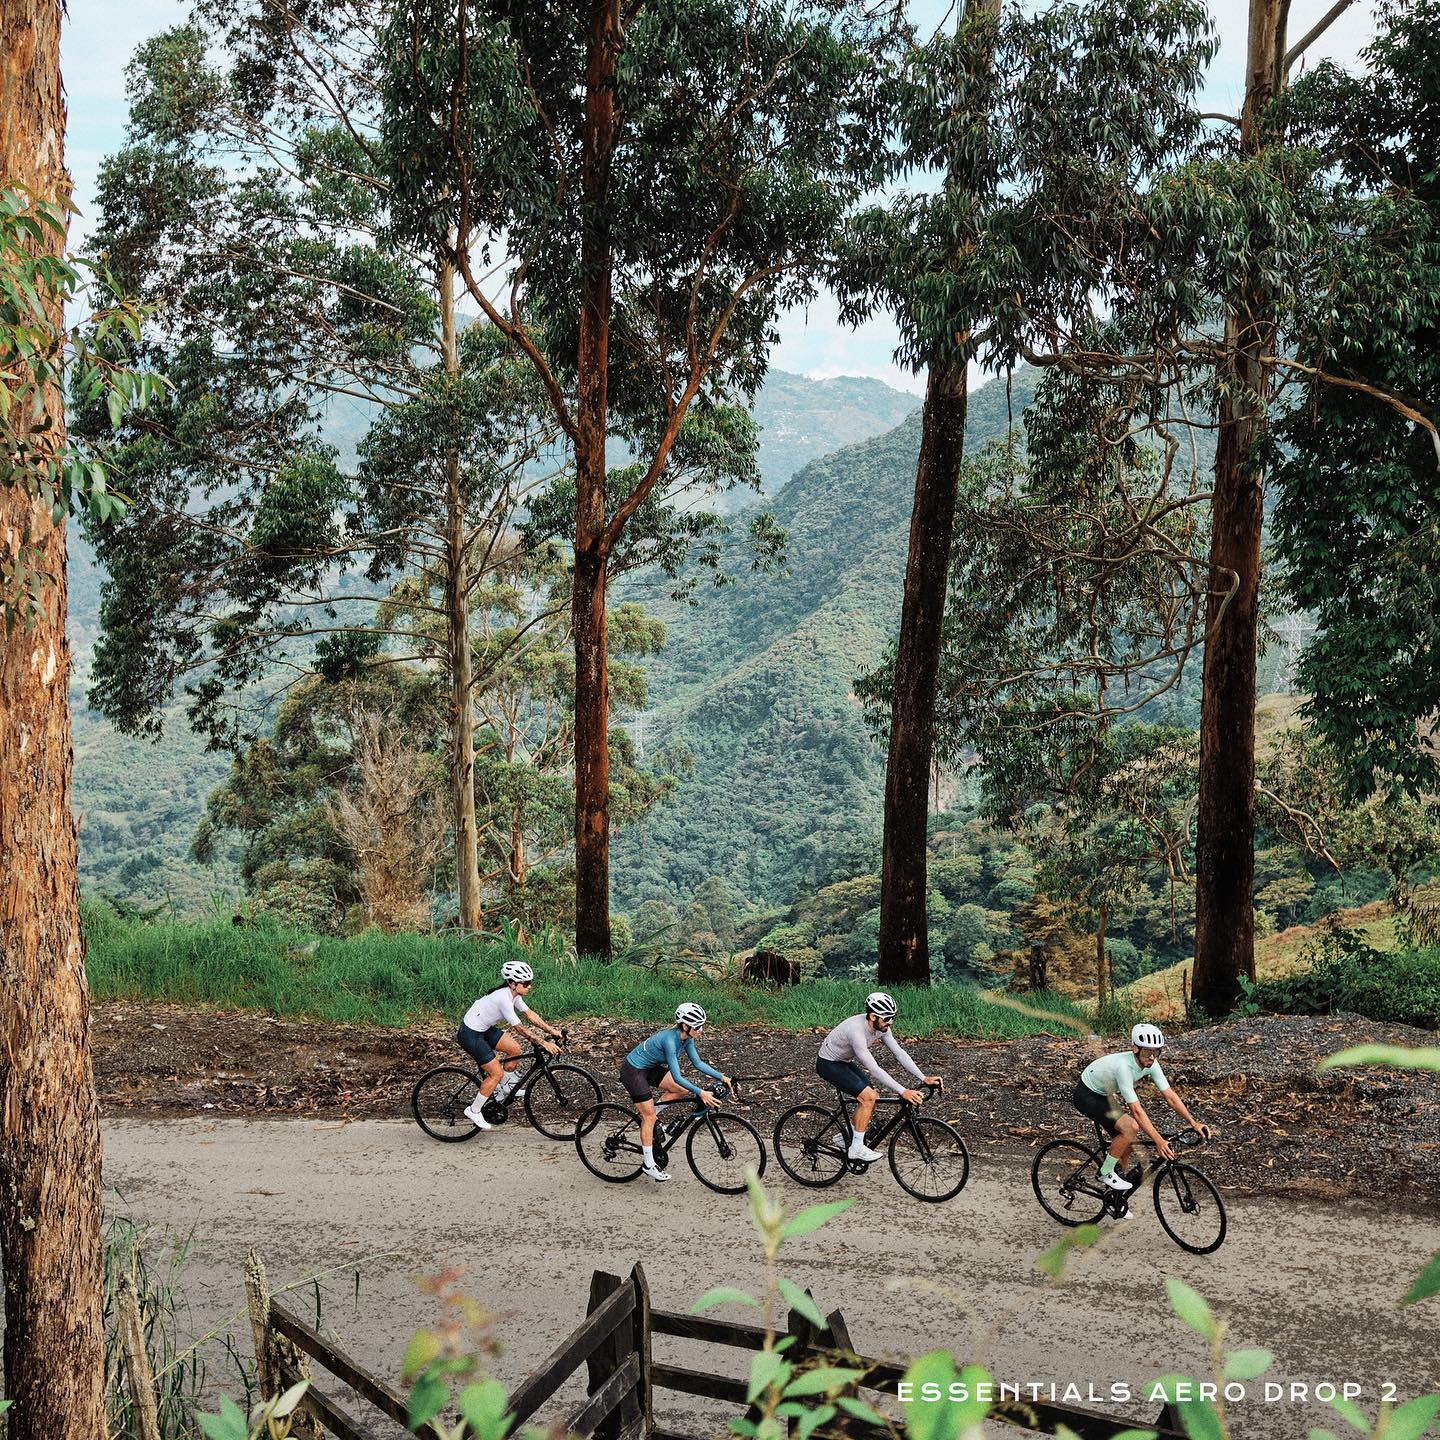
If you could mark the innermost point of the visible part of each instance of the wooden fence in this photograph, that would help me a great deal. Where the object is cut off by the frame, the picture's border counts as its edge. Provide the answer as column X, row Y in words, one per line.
column 613, row 1344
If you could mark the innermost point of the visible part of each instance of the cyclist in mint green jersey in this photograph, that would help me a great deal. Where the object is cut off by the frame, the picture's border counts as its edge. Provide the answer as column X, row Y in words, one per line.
column 655, row 1064
column 1105, row 1092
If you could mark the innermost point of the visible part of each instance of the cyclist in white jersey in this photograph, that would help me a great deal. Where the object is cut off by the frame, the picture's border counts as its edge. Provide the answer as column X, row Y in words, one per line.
column 845, row 1061
column 482, row 1039
column 1105, row 1092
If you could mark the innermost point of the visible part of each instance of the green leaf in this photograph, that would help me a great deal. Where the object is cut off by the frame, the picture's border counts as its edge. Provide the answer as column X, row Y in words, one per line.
column 1427, row 1284
column 797, row 1299
column 947, row 1417
column 1248, row 1364
column 420, row 1354
column 813, row 1217
column 482, row 1405
column 1351, row 1413
column 427, row 1399
column 1052, row 1262
column 289, row 1400
column 851, row 1405
column 1199, row 1420
column 723, row 1295
column 809, row 1421
column 822, row 1380
column 1134, row 1435
column 742, row 1427
column 1190, row 1307
column 1412, row 1419
column 1409, row 1059
column 115, row 405
column 768, row 1368
column 229, row 1424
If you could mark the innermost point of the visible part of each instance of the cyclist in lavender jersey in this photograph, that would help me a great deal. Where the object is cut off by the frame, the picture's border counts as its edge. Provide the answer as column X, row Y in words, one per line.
column 845, row 1061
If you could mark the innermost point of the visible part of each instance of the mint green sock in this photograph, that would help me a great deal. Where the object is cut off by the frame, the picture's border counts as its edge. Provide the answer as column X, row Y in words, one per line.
column 1108, row 1168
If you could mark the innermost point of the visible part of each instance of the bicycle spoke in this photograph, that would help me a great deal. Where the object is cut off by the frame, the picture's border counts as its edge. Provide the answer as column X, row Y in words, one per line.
column 929, row 1159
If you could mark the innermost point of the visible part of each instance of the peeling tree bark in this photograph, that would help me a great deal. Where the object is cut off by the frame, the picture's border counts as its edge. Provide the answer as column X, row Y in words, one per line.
column 49, row 1127
column 1225, row 821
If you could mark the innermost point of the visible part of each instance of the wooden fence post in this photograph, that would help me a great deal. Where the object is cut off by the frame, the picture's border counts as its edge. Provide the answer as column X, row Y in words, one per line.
column 137, row 1360
column 644, row 1395
column 271, row 1349
column 609, row 1355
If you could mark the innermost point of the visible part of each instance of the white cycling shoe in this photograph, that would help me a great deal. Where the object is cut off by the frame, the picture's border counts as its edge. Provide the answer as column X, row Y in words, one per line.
column 654, row 1172
column 1115, row 1181
column 864, row 1152
column 473, row 1115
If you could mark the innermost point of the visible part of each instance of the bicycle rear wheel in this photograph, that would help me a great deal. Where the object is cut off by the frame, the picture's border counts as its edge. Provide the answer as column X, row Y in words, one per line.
column 607, row 1138
column 438, row 1103
column 721, row 1148
column 1066, row 1177
column 929, row 1159
column 556, row 1096
column 809, row 1147
column 1190, row 1209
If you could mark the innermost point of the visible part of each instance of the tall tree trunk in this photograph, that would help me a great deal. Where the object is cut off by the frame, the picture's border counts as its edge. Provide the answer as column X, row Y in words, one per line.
column 592, row 701
column 50, row 1216
column 904, row 951
column 1225, row 826
column 1102, row 925
column 457, row 624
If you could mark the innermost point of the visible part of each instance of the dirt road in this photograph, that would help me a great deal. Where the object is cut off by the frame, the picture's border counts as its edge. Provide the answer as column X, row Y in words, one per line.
column 1317, row 1283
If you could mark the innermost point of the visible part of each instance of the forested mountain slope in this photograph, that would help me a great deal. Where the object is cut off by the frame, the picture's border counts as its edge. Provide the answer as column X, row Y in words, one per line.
column 755, row 680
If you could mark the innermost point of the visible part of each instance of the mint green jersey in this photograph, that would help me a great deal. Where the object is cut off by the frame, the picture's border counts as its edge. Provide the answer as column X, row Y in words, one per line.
column 1117, row 1074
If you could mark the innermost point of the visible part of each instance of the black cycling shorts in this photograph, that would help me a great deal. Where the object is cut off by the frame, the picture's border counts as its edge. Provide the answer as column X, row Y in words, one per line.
column 479, row 1045
column 639, row 1084
column 845, row 1075
column 1096, row 1107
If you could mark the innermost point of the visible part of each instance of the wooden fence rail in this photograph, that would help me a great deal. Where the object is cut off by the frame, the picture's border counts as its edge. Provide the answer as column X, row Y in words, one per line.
column 613, row 1344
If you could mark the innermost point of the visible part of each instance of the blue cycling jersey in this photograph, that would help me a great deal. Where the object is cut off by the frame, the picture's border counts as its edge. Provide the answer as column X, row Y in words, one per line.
column 664, row 1048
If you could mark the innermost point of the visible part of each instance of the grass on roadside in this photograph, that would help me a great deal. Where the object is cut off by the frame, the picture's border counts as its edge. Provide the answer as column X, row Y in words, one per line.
column 393, row 979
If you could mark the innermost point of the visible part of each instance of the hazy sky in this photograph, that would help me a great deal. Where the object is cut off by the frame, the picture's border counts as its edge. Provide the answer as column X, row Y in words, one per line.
column 101, row 35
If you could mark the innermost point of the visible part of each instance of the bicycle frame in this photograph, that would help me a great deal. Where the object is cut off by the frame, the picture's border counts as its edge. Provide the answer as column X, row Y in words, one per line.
column 874, row 1137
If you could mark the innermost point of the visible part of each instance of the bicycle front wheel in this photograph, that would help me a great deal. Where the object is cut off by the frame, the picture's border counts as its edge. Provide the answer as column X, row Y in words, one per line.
column 929, row 1159
column 1066, row 1177
column 721, row 1148
column 607, row 1138
column 556, row 1096
column 809, row 1145
column 438, row 1103
column 1190, row 1209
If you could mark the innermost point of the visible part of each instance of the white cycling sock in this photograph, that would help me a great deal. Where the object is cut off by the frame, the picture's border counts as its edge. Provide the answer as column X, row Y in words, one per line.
column 859, row 1137
column 649, row 1153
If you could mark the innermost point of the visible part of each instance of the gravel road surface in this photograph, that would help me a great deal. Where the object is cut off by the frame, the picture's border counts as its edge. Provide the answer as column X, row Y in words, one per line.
column 1315, row 1282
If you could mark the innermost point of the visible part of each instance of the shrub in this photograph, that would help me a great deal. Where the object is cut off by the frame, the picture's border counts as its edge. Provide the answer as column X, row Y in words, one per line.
column 1402, row 987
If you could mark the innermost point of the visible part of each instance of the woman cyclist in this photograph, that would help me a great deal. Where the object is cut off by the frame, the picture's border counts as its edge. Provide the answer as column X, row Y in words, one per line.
column 482, row 1039
column 655, row 1062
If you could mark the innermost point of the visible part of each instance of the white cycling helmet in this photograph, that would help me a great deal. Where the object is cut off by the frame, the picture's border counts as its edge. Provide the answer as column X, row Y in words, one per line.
column 516, row 972
column 881, row 1004
column 1147, row 1037
column 690, row 1014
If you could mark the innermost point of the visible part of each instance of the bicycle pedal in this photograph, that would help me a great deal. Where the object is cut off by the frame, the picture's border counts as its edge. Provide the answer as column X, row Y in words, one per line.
column 858, row 1167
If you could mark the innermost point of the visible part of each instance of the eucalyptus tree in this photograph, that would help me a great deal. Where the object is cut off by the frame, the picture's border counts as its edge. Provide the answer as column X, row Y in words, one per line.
column 1041, row 130
column 631, row 193
column 249, row 206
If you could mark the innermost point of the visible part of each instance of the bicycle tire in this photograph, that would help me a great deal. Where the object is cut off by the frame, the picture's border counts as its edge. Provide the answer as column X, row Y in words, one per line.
column 438, row 1100
column 1185, row 1184
column 940, row 1148
column 602, row 1145
column 809, row 1131
column 556, row 1096
column 1056, row 1166
column 724, row 1174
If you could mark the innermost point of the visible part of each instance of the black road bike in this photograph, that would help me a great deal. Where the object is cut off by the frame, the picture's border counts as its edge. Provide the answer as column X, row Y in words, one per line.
column 719, row 1146
column 927, row 1157
column 1066, row 1177
column 556, row 1093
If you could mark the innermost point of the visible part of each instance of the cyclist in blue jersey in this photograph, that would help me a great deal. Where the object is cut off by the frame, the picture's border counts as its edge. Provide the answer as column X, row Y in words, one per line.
column 655, row 1064
column 1105, row 1092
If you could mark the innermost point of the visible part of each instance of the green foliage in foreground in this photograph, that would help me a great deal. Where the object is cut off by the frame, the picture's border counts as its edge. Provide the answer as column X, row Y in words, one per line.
column 389, row 979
